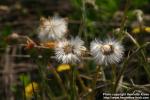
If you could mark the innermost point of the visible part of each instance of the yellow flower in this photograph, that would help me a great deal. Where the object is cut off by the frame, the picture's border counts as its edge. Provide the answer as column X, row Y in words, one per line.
column 63, row 67
column 136, row 30
column 31, row 88
column 147, row 29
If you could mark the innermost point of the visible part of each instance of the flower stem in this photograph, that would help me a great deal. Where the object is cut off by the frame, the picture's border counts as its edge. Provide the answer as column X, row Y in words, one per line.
column 124, row 18
column 113, row 76
column 59, row 80
column 94, row 82
column 45, row 88
column 24, row 92
column 73, row 84
column 81, row 82
column 35, row 95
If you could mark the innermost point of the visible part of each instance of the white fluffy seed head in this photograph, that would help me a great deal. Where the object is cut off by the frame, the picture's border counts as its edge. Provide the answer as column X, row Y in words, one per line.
column 52, row 28
column 107, row 52
column 69, row 51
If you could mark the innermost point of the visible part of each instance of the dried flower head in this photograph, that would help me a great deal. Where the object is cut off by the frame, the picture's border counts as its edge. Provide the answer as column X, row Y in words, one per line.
column 30, row 44
column 107, row 52
column 49, row 44
column 53, row 28
column 69, row 51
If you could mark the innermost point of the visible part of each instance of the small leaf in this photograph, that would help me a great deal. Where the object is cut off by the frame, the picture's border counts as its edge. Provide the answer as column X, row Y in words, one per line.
column 24, row 79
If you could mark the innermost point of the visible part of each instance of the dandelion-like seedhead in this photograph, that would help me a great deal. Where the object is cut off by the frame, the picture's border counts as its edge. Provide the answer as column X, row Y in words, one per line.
column 53, row 28
column 69, row 51
column 107, row 52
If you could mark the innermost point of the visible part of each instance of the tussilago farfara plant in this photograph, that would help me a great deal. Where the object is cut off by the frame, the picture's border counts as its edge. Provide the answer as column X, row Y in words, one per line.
column 69, row 54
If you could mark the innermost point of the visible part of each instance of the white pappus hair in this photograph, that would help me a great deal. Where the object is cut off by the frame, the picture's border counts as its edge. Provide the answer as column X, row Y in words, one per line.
column 108, row 52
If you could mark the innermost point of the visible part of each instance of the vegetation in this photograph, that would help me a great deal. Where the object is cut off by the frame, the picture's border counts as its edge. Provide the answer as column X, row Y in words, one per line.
column 95, row 47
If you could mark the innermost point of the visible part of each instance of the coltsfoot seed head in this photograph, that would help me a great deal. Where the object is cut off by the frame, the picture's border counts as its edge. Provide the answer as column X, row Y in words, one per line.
column 69, row 51
column 52, row 28
column 107, row 52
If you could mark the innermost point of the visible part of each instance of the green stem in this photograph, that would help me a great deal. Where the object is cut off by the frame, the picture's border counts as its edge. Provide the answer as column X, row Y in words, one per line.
column 82, row 28
column 73, row 84
column 94, row 82
column 45, row 88
column 59, row 81
column 124, row 18
column 24, row 89
column 103, row 74
column 34, row 91
column 81, row 82
column 113, row 76
column 84, row 16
